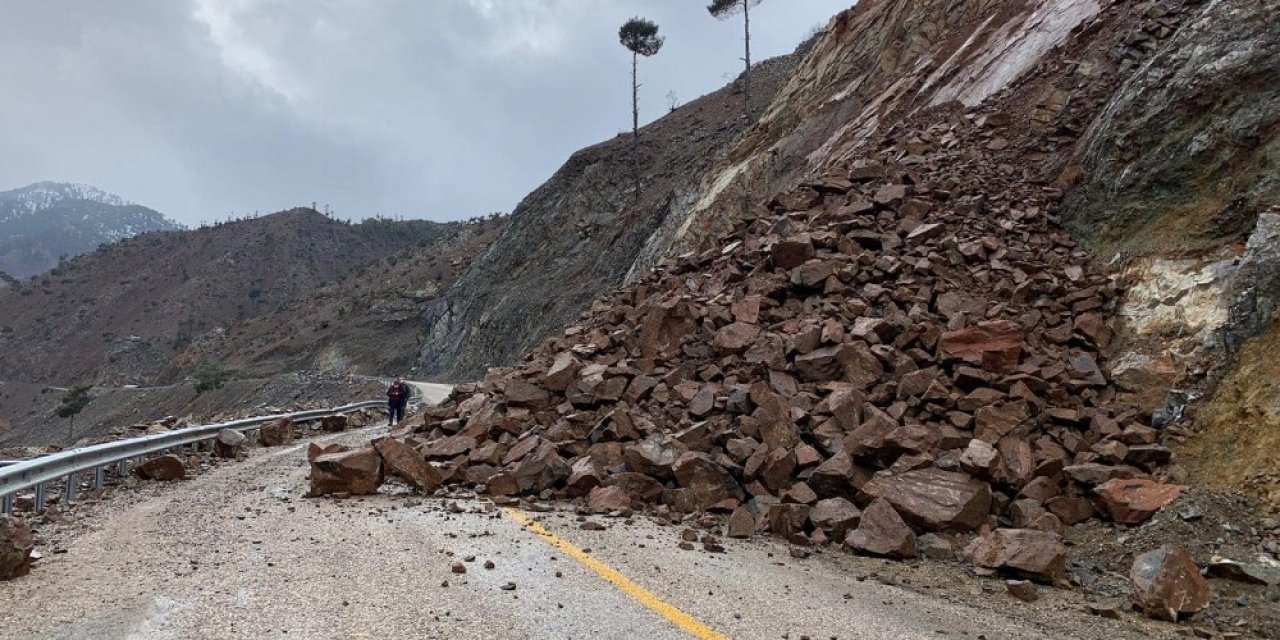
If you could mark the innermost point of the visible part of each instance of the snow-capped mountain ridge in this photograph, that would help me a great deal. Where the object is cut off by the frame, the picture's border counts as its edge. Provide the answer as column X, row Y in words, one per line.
column 45, row 222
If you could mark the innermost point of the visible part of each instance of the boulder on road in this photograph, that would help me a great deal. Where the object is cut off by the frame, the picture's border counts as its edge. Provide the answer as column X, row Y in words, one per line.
column 1166, row 584
column 16, row 544
column 1030, row 553
column 277, row 433
column 406, row 463
column 355, row 472
column 164, row 468
column 227, row 444
column 882, row 532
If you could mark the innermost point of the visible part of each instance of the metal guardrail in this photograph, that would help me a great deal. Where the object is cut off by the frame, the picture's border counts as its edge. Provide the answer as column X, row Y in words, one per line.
column 21, row 475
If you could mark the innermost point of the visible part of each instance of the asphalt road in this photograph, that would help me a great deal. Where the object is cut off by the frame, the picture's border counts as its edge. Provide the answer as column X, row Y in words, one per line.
column 238, row 553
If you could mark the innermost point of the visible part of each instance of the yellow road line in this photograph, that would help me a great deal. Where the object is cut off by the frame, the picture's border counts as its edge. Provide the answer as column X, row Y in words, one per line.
column 635, row 591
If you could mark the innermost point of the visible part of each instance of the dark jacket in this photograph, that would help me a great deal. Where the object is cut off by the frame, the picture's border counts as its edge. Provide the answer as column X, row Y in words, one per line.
column 398, row 393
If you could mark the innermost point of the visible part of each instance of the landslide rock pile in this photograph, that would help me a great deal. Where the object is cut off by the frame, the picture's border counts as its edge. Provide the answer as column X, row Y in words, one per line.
column 912, row 335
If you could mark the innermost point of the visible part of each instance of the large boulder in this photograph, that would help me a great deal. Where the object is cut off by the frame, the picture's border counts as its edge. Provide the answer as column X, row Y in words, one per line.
column 164, row 468
column 882, row 532
column 1166, row 584
column 15, row 549
column 933, row 499
column 1135, row 500
column 355, row 472
column 540, row 469
column 277, row 433
column 707, row 482
column 228, row 443
column 406, row 463
column 1030, row 553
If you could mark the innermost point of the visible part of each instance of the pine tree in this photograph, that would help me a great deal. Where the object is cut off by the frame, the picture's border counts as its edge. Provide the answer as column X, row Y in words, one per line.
column 641, row 38
column 724, row 9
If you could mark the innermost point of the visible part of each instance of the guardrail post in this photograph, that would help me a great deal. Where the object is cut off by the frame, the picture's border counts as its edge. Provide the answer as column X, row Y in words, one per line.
column 99, row 477
column 70, row 494
column 39, row 498
column 122, row 468
column 6, row 504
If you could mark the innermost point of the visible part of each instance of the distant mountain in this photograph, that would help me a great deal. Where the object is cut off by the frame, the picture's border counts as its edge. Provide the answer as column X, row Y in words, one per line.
column 119, row 314
column 43, row 223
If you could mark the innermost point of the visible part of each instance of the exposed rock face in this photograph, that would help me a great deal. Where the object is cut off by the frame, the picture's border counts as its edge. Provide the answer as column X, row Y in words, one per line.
column 1166, row 584
column 15, row 549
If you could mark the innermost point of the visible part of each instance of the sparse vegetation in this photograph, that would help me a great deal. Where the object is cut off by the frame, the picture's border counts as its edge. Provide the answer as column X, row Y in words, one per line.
column 70, row 405
column 211, row 378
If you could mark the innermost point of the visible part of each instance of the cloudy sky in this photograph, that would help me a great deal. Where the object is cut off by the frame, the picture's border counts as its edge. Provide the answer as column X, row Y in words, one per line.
column 419, row 108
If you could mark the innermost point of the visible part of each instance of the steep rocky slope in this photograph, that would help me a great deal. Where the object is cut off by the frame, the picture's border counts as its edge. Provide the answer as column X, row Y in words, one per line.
column 905, row 352
column 43, row 223
column 367, row 322
column 578, row 234
column 120, row 314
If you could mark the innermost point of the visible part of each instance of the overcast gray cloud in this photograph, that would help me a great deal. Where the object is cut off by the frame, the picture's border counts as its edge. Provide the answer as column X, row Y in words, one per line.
column 422, row 108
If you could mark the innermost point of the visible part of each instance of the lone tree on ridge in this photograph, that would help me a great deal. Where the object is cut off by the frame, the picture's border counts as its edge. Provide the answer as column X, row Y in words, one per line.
column 724, row 9
column 641, row 38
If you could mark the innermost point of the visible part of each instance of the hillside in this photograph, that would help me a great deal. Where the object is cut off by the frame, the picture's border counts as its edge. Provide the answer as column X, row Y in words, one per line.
column 578, row 234
column 120, row 314
column 367, row 322
column 44, row 223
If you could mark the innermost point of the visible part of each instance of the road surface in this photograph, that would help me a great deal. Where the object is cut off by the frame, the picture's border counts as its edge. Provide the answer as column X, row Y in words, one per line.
column 238, row 553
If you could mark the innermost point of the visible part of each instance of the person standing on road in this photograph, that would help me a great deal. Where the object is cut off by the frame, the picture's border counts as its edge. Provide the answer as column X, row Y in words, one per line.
column 397, row 399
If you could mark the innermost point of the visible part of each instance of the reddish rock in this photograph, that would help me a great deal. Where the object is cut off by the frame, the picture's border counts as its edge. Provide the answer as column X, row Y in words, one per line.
column 787, row 519
column 519, row 392
column 163, row 468
column 836, row 516
column 791, row 253
column 882, row 532
column 1166, row 584
column 994, row 346
column 1135, row 500
column 608, row 500
column 334, row 424
column 450, row 447
column 355, row 472
column 1037, row 555
column 741, row 524
column 277, row 434
column 405, row 462
column 707, row 482
column 563, row 371
column 542, row 469
column 583, row 477
column 736, row 337
column 16, row 544
column 934, row 499
column 501, row 484
column 651, row 457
